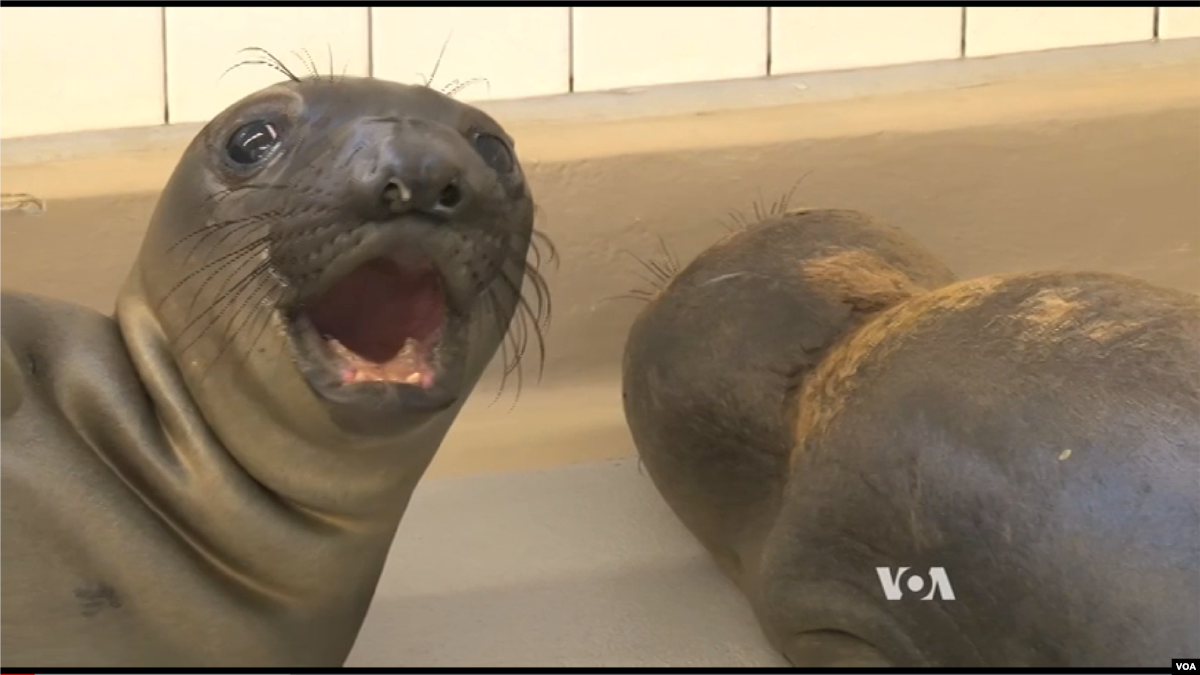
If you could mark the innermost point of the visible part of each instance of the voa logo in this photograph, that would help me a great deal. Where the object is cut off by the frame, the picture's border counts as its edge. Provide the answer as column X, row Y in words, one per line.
column 896, row 583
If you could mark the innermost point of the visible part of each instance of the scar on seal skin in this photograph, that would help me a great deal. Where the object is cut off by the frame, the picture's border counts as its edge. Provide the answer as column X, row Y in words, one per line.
column 96, row 597
column 328, row 271
column 817, row 399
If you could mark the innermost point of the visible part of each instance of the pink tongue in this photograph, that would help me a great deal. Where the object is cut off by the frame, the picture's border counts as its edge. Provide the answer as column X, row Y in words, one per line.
column 373, row 310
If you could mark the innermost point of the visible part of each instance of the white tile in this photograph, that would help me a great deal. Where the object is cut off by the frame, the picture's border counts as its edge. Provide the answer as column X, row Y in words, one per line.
column 518, row 51
column 203, row 42
column 835, row 38
column 618, row 47
column 1178, row 22
column 1004, row 30
column 78, row 68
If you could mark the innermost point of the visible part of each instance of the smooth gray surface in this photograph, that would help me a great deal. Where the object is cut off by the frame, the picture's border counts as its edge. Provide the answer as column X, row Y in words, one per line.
column 575, row 566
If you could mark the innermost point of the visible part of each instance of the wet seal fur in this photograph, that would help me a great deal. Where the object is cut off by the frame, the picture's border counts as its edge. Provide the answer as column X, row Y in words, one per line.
column 816, row 398
column 213, row 477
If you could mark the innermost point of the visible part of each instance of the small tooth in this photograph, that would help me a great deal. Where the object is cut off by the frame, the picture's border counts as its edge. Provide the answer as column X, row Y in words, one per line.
column 410, row 347
column 413, row 378
column 339, row 348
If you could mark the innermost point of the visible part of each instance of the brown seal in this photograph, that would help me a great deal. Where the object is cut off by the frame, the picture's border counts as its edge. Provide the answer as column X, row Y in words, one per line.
column 901, row 470
column 214, row 476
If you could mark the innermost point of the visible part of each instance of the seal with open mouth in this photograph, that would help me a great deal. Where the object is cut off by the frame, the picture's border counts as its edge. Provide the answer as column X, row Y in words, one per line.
column 900, row 469
column 214, row 477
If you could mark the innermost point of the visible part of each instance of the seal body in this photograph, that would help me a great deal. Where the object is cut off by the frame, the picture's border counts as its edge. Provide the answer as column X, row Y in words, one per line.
column 993, row 472
column 213, row 476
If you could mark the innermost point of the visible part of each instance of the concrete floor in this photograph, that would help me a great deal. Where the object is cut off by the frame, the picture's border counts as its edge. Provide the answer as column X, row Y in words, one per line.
column 572, row 566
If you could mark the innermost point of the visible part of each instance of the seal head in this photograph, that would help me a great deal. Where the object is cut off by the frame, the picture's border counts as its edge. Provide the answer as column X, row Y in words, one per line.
column 363, row 222
column 713, row 363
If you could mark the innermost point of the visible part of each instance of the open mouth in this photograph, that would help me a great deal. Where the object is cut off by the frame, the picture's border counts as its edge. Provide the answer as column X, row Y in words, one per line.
column 382, row 322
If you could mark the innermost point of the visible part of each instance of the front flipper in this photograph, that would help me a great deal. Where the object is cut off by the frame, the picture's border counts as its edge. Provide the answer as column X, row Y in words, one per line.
column 12, row 383
column 832, row 649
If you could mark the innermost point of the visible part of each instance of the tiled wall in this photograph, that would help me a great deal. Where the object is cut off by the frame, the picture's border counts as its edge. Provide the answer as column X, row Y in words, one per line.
column 70, row 69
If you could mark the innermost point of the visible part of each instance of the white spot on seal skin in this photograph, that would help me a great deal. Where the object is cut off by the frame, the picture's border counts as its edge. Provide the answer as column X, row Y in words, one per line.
column 22, row 202
column 1064, row 455
column 724, row 277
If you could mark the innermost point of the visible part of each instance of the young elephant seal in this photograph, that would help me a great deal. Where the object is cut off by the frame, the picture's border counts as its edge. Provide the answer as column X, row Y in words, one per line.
column 1011, row 459
column 214, row 477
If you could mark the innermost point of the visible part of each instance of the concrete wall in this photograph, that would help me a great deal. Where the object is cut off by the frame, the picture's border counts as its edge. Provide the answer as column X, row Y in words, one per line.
column 1085, row 159
column 75, row 68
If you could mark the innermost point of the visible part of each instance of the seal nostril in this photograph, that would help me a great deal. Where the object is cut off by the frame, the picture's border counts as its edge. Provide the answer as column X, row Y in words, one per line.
column 396, row 194
column 450, row 196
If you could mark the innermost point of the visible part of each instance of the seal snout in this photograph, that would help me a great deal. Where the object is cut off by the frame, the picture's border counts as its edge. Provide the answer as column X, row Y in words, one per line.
column 414, row 171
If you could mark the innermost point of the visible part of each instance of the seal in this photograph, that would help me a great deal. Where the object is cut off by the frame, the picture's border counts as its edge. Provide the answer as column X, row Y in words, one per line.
column 901, row 469
column 213, row 476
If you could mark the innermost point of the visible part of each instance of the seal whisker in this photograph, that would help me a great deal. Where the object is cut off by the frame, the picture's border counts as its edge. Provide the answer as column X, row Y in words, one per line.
column 655, row 272
column 243, row 250
column 246, row 228
column 784, row 203
column 529, row 320
column 307, row 61
column 459, row 86
column 511, row 349
column 259, row 62
column 631, row 295
column 221, row 195
column 759, row 212
column 256, row 296
column 504, row 357
column 736, row 221
column 537, row 313
column 212, row 228
column 541, row 290
column 234, row 272
column 437, row 64
column 672, row 263
column 196, row 296
column 539, row 240
column 236, row 287
column 536, row 318
column 221, row 303
column 273, row 61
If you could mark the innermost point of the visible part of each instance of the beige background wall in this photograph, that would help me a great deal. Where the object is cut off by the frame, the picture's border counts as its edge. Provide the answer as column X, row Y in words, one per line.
column 79, row 68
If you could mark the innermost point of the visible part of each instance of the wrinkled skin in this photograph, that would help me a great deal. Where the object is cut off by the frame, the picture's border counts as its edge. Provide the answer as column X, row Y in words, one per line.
column 815, row 399
column 184, row 485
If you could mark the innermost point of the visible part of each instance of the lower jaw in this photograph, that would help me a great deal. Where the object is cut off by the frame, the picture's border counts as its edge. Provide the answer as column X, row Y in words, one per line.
column 383, row 397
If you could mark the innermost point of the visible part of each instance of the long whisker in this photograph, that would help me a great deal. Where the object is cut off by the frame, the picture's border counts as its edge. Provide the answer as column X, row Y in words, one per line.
column 308, row 62
column 243, row 250
column 437, row 64
column 271, row 63
column 531, row 312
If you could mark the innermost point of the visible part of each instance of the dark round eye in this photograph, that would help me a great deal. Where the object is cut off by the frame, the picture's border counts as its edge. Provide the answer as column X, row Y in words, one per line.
column 252, row 142
column 495, row 152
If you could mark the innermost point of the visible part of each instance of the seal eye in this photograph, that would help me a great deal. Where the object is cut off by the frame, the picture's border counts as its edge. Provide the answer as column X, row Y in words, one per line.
column 495, row 152
column 252, row 142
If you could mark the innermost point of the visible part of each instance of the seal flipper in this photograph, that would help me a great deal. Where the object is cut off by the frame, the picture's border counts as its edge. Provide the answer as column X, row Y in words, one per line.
column 12, row 383
column 832, row 649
